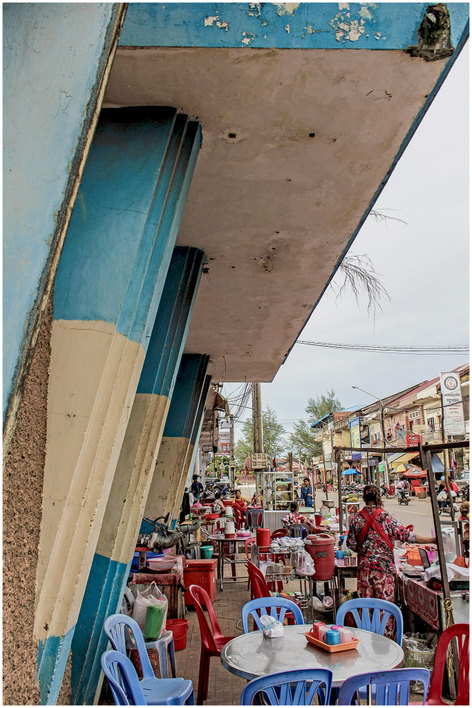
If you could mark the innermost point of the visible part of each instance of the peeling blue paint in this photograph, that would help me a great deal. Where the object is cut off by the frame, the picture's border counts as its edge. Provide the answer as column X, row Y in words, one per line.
column 282, row 25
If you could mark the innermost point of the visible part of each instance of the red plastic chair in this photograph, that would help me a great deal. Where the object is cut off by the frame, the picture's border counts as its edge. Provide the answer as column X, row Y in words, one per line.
column 239, row 517
column 259, row 587
column 278, row 533
column 461, row 631
column 212, row 639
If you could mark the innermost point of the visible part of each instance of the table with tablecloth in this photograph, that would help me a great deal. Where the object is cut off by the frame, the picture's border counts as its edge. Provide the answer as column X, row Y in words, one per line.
column 429, row 604
column 170, row 583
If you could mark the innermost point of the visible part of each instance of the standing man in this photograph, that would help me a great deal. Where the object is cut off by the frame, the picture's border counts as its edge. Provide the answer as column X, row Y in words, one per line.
column 196, row 488
column 306, row 493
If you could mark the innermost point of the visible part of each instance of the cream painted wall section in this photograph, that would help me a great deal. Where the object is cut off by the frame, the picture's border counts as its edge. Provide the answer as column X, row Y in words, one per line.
column 94, row 376
column 133, row 477
column 163, row 491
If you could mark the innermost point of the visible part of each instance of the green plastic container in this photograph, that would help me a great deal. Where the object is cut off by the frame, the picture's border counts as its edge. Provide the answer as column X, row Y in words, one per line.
column 154, row 619
column 206, row 551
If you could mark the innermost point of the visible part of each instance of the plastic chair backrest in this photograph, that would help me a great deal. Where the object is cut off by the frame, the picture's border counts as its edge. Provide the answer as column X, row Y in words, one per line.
column 390, row 688
column 115, row 627
column 461, row 632
column 276, row 607
column 297, row 530
column 207, row 631
column 259, row 587
column 123, row 679
column 370, row 617
column 290, row 688
column 278, row 533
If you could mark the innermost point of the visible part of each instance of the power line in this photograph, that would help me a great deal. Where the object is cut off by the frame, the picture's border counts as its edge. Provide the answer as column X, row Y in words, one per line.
column 424, row 350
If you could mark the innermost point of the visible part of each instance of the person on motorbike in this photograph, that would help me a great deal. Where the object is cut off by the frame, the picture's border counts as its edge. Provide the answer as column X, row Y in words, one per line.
column 403, row 488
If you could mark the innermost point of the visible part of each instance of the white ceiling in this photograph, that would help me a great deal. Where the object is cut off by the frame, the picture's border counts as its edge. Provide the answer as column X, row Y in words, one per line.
column 295, row 145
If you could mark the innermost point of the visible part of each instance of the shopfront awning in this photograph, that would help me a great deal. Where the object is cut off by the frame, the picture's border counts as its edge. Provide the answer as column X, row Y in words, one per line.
column 405, row 457
column 437, row 464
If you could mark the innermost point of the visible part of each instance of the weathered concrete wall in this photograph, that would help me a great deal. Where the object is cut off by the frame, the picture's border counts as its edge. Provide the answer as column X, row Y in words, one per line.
column 285, row 25
column 22, row 505
column 56, row 62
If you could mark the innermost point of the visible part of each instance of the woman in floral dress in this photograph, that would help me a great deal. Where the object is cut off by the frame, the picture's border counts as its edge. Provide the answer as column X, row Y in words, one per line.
column 372, row 534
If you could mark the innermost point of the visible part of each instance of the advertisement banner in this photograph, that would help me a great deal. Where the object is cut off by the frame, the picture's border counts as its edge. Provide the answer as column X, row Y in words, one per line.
column 355, row 431
column 224, row 441
column 452, row 403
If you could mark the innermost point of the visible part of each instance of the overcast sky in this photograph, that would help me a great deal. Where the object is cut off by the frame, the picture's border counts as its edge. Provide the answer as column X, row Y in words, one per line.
column 423, row 264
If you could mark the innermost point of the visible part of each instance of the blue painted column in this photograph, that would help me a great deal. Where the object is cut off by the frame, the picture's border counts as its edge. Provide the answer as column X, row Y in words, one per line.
column 108, row 288
column 171, row 469
column 125, row 507
column 189, row 462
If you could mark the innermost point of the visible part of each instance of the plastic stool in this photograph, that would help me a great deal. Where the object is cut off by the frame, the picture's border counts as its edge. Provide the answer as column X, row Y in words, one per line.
column 164, row 645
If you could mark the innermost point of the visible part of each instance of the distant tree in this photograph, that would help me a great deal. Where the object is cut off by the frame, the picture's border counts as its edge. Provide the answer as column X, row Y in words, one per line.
column 302, row 437
column 318, row 407
column 273, row 434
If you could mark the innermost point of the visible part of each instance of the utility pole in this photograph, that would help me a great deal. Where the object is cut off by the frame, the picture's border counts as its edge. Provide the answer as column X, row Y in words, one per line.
column 232, row 465
column 257, row 440
column 444, row 439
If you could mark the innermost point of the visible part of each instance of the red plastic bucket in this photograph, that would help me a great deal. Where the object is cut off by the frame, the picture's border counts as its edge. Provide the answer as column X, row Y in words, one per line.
column 178, row 628
column 263, row 537
column 321, row 549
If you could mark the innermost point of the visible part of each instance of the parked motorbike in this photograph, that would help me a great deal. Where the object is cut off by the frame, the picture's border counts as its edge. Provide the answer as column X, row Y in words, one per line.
column 385, row 492
column 403, row 497
column 158, row 536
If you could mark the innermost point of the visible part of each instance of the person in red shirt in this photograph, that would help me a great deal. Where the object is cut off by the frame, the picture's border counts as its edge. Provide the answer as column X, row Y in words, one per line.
column 239, row 508
column 452, row 485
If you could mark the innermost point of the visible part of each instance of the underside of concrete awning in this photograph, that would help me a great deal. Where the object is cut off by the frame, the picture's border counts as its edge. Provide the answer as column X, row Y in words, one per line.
column 299, row 137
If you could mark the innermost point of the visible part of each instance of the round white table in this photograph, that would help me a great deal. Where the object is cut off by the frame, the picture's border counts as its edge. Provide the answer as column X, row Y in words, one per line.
column 252, row 654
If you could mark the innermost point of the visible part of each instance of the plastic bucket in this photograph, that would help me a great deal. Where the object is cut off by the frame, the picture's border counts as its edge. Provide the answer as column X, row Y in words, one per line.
column 206, row 551
column 263, row 537
column 321, row 549
column 178, row 627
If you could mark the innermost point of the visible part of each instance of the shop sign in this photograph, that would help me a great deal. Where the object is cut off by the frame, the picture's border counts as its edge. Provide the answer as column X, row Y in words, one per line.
column 452, row 404
column 413, row 440
column 224, row 441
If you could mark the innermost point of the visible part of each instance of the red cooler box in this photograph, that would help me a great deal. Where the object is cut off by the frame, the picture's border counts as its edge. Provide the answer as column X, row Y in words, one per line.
column 201, row 572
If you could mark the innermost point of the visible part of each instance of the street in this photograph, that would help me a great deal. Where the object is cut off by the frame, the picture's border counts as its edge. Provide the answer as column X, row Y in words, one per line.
column 418, row 512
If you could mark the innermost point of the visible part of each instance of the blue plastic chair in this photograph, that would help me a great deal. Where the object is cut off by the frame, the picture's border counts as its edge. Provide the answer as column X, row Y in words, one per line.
column 128, row 690
column 289, row 688
column 370, row 617
column 116, row 626
column 387, row 688
column 276, row 607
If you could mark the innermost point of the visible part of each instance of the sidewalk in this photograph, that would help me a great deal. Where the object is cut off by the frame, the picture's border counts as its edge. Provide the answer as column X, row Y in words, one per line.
column 224, row 688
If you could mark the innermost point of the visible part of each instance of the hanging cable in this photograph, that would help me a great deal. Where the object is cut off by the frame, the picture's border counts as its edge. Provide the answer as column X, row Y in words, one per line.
column 392, row 349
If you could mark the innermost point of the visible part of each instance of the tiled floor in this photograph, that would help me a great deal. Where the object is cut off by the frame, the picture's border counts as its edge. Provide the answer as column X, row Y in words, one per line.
column 224, row 688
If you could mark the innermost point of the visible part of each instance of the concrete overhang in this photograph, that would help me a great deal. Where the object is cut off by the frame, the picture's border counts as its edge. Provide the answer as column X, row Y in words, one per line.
column 305, row 110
